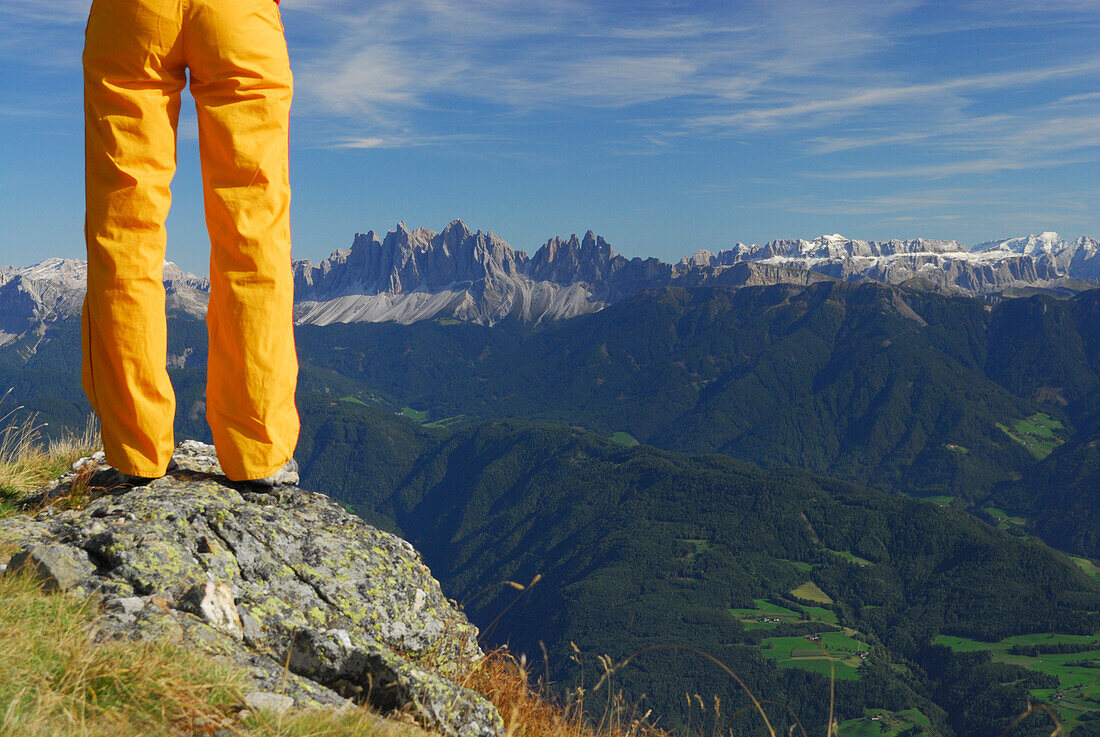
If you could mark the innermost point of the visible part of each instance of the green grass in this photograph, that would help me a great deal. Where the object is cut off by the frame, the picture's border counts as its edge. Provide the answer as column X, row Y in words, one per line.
column 810, row 591
column 887, row 724
column 765, row 609
column 446, row 421
column 419, row 415
column 751, row 618
column 957, row 449
column 1087, row 566
column 944, row 500
column 625, row 439
column 698, row 545
column 821, row 614
column 1005, row 521
column 56, row 680
column 8, row 499
column 354, row 400
column 851, row 557
column 799, row 652
column 804, row 567
column 966, row 645
column 1039, row 434
column 1080, row 685
column 27, row 462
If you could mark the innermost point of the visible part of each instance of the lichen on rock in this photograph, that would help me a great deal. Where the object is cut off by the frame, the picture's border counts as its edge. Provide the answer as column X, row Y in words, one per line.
column 268, row 581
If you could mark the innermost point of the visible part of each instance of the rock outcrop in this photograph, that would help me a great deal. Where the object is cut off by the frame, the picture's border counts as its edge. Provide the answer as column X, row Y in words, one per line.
column 319, row 607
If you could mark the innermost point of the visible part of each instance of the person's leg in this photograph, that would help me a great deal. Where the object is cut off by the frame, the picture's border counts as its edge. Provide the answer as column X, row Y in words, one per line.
column 132, row 83
column 241, row 81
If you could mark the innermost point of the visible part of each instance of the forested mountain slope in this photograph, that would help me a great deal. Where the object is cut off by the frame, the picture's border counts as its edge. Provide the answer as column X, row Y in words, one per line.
column 902, row 390
column 640, row 547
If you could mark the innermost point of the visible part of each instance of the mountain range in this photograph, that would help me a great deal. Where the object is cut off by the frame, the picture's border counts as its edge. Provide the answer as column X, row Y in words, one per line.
column 413, row 275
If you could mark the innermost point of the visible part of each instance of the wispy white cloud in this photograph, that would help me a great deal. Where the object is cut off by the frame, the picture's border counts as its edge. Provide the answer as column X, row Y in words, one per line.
column 29, row 113
column 403, row 141
column 43, row 35
column 669, row 29
column 852, row 102
column 942, row 217
column 830, row 76
column 946, row 204
column 37, row 12
column 945, row 170
column 429, row 63
column 903, row 201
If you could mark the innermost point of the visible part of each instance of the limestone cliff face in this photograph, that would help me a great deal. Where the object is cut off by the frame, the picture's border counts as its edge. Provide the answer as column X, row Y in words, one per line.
column 261, row 580
column 413, row 275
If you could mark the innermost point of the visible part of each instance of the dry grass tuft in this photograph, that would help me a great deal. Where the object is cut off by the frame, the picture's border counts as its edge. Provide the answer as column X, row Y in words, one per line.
column 504, row 680
column 57, row 682
column 27, row 463
column 358, row 723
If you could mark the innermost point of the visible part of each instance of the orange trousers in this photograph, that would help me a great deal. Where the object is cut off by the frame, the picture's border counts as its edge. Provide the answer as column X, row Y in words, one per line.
column 136, row 59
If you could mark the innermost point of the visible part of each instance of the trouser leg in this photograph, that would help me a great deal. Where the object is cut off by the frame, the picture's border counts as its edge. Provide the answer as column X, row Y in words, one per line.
column 241, row 81
column 132, row 83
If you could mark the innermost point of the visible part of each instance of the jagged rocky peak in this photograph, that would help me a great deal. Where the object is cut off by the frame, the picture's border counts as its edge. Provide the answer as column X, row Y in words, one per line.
column 407, row 261
column 700, row 258
column 1075, row 258
column 455, row 233
column 739, row 252
column 58, row 270
column 836, row 246
column 314, row 605
column 493, row 256
column 35, row 294
column 1047, row 242
column 406, row 240
column 590, row 259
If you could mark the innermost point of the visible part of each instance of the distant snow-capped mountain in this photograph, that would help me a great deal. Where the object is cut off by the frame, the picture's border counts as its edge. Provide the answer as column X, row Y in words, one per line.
column 411, row 275
column 1077, row 258
column 1044, row 261
column 34, row 296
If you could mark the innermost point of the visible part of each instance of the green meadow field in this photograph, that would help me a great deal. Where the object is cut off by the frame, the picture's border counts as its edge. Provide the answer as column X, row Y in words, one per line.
column 1078, row 673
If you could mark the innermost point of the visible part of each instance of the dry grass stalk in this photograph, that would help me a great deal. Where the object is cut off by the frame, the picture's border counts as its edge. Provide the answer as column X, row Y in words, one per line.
column 57, row 682
column 504, row 679
column 609, row 671
column 27, row 462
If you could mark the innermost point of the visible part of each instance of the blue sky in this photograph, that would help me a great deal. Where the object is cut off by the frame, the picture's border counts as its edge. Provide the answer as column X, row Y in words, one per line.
column 664, row 126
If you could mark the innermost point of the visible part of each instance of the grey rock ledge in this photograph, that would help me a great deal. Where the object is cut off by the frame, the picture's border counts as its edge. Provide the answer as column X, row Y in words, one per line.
column 263, row 581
